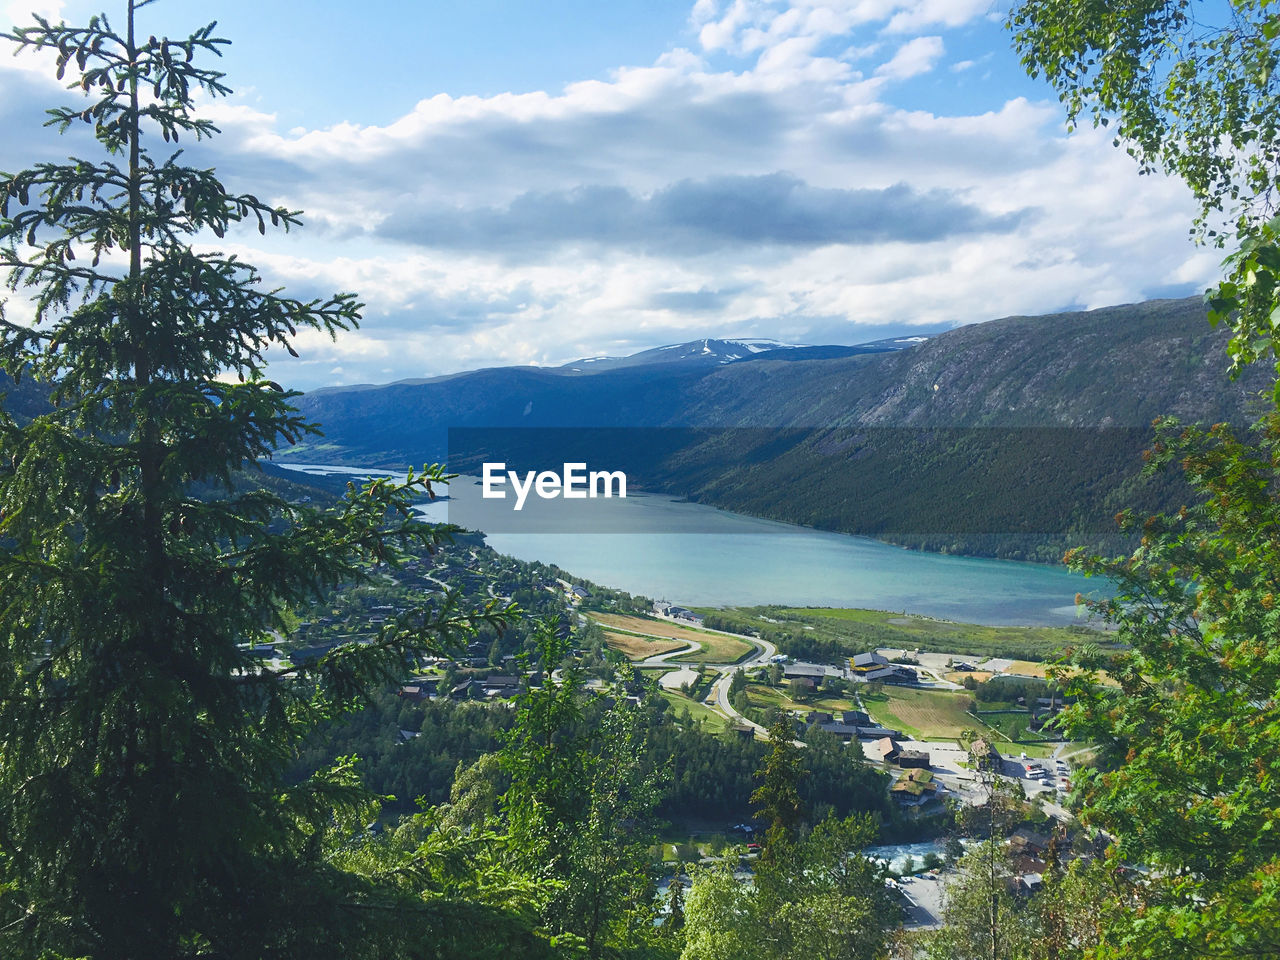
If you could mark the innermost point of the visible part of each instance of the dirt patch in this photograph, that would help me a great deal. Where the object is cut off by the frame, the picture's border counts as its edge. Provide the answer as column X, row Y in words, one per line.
column 650, row 628
column 639, row 648
column 958, row 676
column 1026, row 668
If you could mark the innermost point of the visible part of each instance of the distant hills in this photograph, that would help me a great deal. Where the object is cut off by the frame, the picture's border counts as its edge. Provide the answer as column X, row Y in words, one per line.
column 847, row 463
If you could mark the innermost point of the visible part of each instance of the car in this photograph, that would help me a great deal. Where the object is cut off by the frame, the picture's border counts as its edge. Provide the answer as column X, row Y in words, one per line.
column 753, row 848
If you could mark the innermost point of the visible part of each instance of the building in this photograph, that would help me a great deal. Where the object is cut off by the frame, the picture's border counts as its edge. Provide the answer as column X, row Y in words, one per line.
column 915, row 789
column 500, row 686
column 885, row 750
column 893, row 673
column 804, row 671
column 1025, row 841
column 663, row 609
column 862, row 662
column 985, row 756
column 917, row 759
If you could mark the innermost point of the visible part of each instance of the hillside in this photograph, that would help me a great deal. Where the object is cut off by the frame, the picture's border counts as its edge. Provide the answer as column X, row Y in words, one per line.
column 1026, row 426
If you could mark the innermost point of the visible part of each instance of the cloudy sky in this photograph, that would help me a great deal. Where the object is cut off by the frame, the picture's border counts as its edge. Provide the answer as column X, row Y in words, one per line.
column 510, row 181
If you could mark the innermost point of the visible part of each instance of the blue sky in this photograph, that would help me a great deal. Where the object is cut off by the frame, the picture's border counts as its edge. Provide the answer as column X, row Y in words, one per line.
column 519, row 182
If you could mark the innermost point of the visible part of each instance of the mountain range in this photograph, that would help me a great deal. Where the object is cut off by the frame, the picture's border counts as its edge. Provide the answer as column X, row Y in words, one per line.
column 1008, row 412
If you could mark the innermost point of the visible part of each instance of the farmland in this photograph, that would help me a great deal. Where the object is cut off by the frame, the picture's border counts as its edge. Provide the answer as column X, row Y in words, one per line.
column 922, row 714
column 712, row 647
column 639, row 648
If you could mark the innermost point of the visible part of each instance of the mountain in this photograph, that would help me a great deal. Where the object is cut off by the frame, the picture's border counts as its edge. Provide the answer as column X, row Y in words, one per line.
column 1027, row 420
column 710, row 352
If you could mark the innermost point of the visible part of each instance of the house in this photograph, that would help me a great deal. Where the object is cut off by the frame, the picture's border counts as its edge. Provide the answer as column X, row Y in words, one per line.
column 670, row 610
column 804, row 671
column 819, row 716
column 918, row 759
column 311, row 654
column 500, row 686
column 874, row 732
column 985, row 756
column 1024, row 840
column 419, row 690
column 856, row 718
column 915, row 788
column 1028, row 883
column 404, row 736
column 862, row 662
column 885, row 750
column 743, row 730
column 844, row 731
column 579, row 593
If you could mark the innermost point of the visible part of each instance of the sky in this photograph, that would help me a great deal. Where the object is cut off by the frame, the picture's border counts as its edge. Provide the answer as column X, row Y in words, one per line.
column 519, row 182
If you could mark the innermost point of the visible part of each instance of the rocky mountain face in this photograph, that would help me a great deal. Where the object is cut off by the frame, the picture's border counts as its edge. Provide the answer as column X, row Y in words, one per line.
column 1118, row 366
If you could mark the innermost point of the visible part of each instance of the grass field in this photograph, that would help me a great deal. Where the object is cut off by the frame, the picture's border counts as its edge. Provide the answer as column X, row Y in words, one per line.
column 763, row 695
column 924, row 714
column 947, row 636
column 854, row 630
column 639, row 648
column 717, row 649
column 698, row 711
column 713, row 647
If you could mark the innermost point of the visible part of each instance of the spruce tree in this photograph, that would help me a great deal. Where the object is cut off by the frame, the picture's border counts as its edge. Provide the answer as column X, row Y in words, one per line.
column 142, row 746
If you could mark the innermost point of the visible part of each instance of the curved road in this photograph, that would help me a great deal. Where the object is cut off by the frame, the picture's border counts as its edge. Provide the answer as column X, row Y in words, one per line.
column 720, row 686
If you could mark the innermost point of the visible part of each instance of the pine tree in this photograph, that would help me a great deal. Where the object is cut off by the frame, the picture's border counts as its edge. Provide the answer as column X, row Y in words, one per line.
column 778, row 796
column 142, row 747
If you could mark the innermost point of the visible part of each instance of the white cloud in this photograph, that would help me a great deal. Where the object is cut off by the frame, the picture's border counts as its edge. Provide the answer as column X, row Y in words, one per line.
column 774, row 158
column 921, row 14
column 912, row 58
column 20, row 12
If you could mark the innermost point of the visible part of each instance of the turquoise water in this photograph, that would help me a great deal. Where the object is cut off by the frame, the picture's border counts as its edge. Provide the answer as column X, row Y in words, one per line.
column 739, row 561
column 808, row 568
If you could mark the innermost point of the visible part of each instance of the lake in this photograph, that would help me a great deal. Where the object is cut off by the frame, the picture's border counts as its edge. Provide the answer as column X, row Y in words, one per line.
column 743, row 561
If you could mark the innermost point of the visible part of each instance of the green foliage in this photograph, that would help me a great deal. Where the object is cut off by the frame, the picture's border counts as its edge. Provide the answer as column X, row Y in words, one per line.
column 778, row 796
column 143, row 750
column 984, row 920
column 822, row 899
column 1190, row 742
column 1190, row 87
column 580, row 807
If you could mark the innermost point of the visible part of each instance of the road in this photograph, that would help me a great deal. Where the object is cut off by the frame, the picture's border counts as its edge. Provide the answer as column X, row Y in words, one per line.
column 764, row 650
column 946, row 757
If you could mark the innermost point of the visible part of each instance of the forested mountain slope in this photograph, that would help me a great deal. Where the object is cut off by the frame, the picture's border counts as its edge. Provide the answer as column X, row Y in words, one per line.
column 1013, row 437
